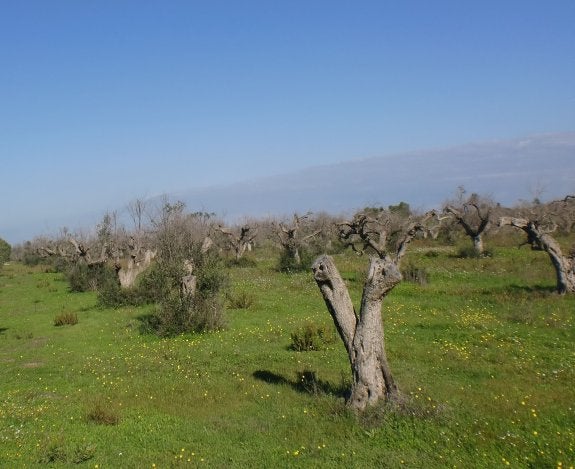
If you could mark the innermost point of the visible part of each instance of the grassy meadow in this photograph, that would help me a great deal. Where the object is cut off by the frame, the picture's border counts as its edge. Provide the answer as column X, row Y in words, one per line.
column 484, row 353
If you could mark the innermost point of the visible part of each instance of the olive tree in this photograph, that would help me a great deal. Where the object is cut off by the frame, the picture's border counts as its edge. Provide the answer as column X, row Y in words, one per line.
column 473, row 215
column 293, row 238
column 363, row 333
column 239, row 240
column 538, row 223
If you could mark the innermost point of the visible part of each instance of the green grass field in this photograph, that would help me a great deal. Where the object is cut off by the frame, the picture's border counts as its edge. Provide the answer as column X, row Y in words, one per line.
column 485, row 353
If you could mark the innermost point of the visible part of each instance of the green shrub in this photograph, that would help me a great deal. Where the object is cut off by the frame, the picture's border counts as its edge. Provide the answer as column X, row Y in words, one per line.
column 55, row 450
column 112, row 295
column 83, row 277
column 5, row 250
column 242, row 262
column 287, row 263
column 179, row 314
column 66, row 319
column 415, row 274
column 311, row 337
column 103, row 414
column 241, row 300
column 469, row 252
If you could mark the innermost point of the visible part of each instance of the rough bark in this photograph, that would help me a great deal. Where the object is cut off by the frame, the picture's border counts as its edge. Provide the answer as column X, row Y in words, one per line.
column 539, row 238
column 135, row 266
column 362, row 336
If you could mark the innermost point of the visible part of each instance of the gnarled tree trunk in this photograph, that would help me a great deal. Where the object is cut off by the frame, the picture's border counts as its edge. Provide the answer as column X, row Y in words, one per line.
column 127, row 274
column 539, row 238
column 362, row 336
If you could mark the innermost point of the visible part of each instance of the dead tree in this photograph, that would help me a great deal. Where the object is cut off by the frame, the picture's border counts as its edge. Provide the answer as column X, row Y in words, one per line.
column 539, row 238
column 290, row 238
column 239, row 243
column 363, row 334
column 474, row 217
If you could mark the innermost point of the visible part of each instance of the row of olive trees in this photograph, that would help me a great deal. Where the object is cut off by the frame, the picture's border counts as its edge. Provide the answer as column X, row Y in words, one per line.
column 183, row 268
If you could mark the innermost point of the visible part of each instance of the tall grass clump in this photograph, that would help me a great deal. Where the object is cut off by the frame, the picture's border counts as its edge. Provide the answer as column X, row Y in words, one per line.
column 414, row 274
column 311, row 337
column 66, row 319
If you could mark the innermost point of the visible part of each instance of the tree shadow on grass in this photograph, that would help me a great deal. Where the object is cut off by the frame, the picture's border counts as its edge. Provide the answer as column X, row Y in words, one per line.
column 3, row 329
column 538, row 289
column 516, row 290
column 305, row 382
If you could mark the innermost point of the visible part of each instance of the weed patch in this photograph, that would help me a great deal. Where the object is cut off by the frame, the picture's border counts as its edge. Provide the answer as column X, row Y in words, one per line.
column 311, row 336
column 241, row 300
column 66, row 319
column 103, row 414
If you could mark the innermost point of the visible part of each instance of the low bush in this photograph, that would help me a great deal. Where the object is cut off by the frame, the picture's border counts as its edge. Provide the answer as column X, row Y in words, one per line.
column 241, row 300
column 415, row 274
column 242, row 262
column 311, row 337
column 468, row 252
column 287, row 263
column 66, row 319
column 179, row 314
column 112, row 295
column 84, row 277
column 103, row 414
column 55, row 450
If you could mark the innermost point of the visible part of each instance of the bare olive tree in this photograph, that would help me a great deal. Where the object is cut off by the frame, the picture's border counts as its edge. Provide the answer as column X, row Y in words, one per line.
column 363, row 333
column 291, row 238
column 473, row 215
column 238, row 241
column 538, row 224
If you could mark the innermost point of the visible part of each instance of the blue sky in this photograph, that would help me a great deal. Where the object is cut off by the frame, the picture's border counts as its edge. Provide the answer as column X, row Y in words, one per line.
column 105, row 101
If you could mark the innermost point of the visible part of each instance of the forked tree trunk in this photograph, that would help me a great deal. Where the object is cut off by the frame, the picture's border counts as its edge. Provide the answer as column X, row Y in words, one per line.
column 362, row 336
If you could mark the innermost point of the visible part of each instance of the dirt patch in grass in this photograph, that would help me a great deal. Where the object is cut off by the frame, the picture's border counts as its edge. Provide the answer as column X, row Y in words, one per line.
column 32, row 365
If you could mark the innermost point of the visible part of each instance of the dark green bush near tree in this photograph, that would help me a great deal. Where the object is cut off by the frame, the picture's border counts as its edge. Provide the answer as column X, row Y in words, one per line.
column 84, row 277
column 311, row 337
column 288, row 264
column 5, row 251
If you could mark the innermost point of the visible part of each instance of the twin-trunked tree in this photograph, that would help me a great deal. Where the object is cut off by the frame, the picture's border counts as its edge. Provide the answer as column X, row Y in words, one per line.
column 362, row 333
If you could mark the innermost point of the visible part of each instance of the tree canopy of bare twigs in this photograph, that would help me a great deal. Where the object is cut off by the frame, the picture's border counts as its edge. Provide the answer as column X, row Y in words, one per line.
column 474, row 215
